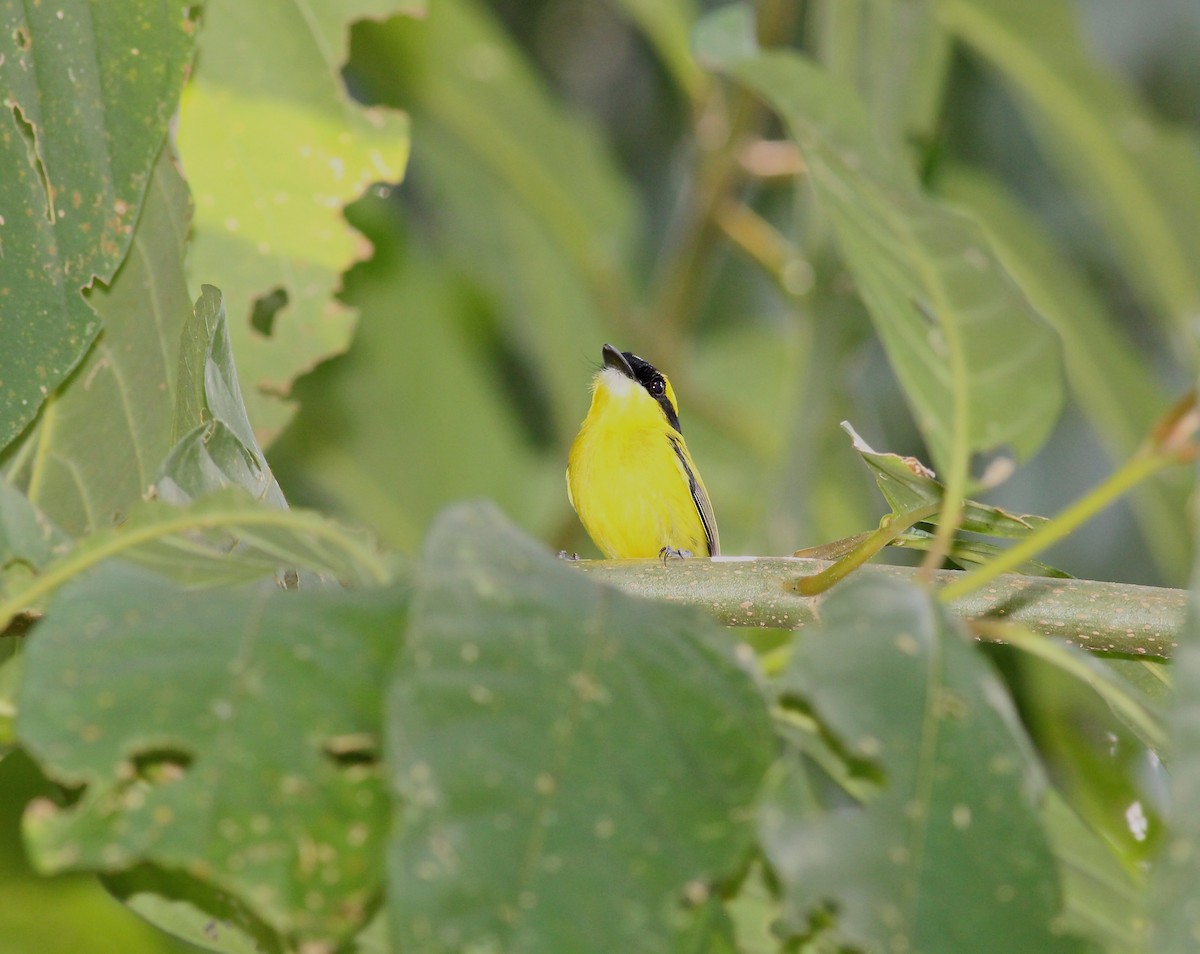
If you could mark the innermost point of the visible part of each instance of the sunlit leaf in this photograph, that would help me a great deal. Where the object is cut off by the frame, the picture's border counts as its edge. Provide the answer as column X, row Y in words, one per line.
column 574, row 764
column 396, row 471
column 274, row 148
column 86, row 109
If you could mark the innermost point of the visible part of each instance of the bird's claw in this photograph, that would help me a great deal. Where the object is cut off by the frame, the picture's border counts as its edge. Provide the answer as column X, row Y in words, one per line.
column 667, row 552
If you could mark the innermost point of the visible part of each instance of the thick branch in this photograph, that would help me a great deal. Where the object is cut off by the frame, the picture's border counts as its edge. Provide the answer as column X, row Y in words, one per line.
column 1119, row 618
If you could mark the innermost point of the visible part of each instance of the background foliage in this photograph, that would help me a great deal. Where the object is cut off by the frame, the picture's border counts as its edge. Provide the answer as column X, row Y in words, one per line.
column 968, row 227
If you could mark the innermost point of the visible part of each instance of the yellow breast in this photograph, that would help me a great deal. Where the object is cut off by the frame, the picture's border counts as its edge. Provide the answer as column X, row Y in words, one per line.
column 631, row 479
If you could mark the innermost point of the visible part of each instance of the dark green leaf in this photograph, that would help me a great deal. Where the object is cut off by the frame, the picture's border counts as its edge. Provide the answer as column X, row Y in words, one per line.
column 86, row 109
column 948, row 855
column 233, row 738
column 574, row 764
column 978, row 365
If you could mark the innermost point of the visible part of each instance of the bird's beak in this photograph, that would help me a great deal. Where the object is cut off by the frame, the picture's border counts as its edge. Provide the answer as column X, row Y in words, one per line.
column 614, row 359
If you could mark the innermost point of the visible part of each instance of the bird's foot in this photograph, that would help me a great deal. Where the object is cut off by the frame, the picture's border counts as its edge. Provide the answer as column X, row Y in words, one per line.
column 564, row 555
column 667, row 553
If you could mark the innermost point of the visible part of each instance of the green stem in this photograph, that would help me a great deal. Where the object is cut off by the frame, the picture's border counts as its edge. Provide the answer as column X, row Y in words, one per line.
column 1132, row 473
column 1122, row 618
column 889, row 529
column 104, row 544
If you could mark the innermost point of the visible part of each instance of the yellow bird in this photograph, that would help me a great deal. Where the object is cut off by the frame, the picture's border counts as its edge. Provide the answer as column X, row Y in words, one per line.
column 629, row 474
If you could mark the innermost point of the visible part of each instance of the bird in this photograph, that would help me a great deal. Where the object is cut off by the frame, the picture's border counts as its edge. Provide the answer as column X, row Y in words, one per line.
column 630, row 477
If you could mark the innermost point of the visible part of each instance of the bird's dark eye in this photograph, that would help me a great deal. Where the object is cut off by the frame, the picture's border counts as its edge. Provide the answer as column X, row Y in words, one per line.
column 655, row 387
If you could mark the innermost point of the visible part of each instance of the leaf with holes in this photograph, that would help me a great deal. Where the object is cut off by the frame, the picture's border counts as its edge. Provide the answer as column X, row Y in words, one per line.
column 274, row 148
column 574, row 764
column 947, row 854
column 231, row 738
column 87, row 106
column 98, row 444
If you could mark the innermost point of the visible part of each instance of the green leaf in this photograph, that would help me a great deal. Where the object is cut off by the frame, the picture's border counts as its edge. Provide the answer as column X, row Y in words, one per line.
column 948, row 855
column 194, row 911
column 1140, row 177
column 978, row 366
column 1174, row 904
column 98, row 444
column 907, row 484
column 231, row 738
column 216, row 446
column 223, row 538
column 895, row 54
column 667, row 25
column 1120, row 392
column 1101, row 896
column 89, row 90
column 274, row 148
column 27, row 536
column 573, row 763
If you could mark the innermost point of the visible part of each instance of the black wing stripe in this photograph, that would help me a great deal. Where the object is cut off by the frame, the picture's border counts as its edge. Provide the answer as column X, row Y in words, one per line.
column 695, row 491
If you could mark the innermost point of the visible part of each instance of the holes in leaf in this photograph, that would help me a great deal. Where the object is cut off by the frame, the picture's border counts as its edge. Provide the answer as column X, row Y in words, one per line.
column 266, row 307
column 799, row 720
column 160, row 766
column 356, row 748
column 29, row 134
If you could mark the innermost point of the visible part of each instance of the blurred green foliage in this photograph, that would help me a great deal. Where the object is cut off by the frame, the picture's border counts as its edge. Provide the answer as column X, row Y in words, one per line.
column 569, row 185
column 953, row 216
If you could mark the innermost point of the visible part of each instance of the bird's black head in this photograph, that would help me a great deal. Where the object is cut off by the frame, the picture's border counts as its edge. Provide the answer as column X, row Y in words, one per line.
column 648, row 376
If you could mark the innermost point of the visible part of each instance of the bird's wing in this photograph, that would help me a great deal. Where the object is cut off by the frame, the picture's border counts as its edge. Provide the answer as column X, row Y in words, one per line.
column 699, row 495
